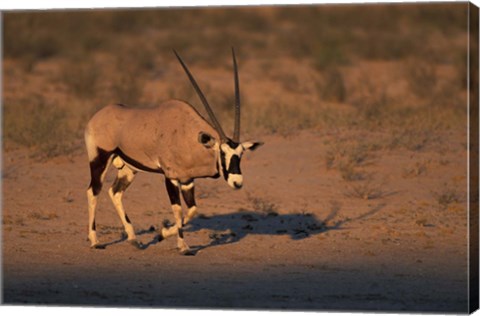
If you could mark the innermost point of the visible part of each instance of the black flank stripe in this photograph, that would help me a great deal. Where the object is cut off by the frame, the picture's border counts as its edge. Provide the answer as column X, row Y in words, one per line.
column 135, row 163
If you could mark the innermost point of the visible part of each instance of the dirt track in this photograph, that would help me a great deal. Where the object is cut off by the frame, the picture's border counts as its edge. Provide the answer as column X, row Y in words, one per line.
column 294, row 238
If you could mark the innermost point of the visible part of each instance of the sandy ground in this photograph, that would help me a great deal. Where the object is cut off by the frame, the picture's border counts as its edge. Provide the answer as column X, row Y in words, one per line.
column 294, row 237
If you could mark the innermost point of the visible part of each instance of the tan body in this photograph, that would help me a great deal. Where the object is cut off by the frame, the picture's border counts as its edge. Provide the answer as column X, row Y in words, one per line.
column 164, row 137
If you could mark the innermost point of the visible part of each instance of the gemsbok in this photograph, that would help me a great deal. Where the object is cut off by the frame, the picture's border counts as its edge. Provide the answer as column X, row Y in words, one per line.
column 172, row 139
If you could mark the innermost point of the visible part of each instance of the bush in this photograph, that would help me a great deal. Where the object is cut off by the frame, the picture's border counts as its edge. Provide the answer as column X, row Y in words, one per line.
column 38, row 124
column 333, row 86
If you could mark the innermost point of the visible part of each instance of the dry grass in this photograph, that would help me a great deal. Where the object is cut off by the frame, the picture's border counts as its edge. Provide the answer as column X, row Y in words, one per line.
column 44, row 216
column 447, row 196
column 40, row 125
column 81, row 78
column 418, row 169
column 366, row 190
column 332, row 88
column 348, row 155
column 262, row 205
column 115, row 55
column 350, row 172
column 422, row 78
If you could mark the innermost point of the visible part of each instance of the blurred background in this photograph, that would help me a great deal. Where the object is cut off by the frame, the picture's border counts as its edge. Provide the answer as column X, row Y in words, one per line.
column 397, row 69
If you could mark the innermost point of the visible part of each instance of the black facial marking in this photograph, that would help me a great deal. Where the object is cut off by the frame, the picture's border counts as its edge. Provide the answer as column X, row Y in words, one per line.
column 232, row 144
column 173, row 192
column 255, row 145
column 97, row 167
column 234, row 164
column 224, row 165
column 120, row 184
column 135, row 163
column 234, row 167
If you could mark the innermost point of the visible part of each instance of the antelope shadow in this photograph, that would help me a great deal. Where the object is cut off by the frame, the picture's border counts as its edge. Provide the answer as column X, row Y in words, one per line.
column 232, row 227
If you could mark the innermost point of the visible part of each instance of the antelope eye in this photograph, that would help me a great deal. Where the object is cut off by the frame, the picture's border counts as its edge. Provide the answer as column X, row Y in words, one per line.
column 205, row 139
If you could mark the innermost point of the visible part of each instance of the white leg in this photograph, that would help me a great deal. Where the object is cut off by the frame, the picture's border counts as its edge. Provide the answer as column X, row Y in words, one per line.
column 188, row 193
column 124, row 178
column 92, row 205
column 192, row 211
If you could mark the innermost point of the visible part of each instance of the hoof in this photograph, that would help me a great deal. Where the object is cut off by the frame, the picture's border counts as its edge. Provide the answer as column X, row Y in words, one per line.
column 166, row 223
column 187, row 252
column 97, row 246
column 136, row 244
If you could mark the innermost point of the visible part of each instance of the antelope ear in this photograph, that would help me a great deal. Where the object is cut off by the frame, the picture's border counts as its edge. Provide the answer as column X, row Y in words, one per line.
column 206, row 139
column 252, row 145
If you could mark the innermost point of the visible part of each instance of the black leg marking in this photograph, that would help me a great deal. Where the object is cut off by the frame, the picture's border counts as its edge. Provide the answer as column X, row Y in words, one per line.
column 180, row 232
column 94, row 226
column 97, row 167
column 127, row 219
column 189, row 197
column 173, row 192
column 120, row 184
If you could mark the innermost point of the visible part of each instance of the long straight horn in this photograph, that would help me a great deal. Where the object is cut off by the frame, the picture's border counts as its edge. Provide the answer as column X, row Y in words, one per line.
column 216, row 124
column 236, row 129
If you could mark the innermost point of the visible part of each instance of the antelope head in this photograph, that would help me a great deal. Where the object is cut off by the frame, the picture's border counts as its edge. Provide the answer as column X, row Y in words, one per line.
column 230, row 149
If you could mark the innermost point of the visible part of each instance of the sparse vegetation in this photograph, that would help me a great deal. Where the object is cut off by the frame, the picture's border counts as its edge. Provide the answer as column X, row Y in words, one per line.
column 40, row 125
column 348, row 156
column 418, row 169
column 446, row 196
column 370, row 100
column 44, row 216
column 118, row 55
column 350, row 173
column 422, row 78
column 332, row 88
column 81, row 78
column 366, row 190
column 261, row 205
